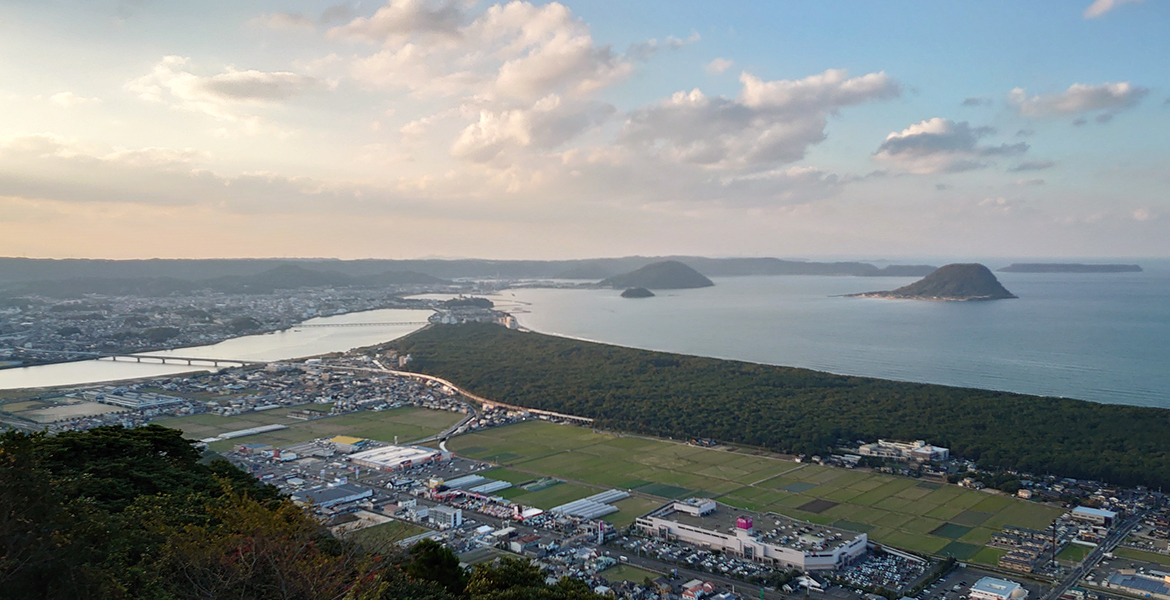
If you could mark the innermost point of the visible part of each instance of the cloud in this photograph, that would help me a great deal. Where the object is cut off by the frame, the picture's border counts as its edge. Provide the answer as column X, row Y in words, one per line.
column 1079, row 98
column 283, row 21
column 225, row 96
column 717, row 66
column 1032, row 165
column 1099, row 7
column 403, row 18
column 977, row 101
column 1028, row 182
column 643, row 51
column 941, row 186
column 69, row 100
column 1025, row 133
column 769, row 123
column 513, row 51
column 940, row 145
column 550, row 122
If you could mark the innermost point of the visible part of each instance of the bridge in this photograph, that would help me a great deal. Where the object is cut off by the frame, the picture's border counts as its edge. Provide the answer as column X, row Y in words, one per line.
column 379, row 324
column 162, row 359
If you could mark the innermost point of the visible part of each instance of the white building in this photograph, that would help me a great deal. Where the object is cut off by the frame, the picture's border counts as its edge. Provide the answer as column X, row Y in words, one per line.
column 1095, row 516
column 393, row 458
column 990, row 588
column 917, row 450
column 446, row 517
column 765, row 538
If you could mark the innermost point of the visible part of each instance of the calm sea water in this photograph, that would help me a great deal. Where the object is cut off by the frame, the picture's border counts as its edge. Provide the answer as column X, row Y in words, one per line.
column 1099, row 337
column 281, row 345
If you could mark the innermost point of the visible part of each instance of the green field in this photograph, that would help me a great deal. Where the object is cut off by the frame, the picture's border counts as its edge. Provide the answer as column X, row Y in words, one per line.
column 408, row 423
column 907, row 513
column 628, row 573
column 1142, row 555
column 382, row 536
column 1074, row 552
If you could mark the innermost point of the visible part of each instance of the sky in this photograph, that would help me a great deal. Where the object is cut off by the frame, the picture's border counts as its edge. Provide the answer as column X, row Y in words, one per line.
column 454, row 128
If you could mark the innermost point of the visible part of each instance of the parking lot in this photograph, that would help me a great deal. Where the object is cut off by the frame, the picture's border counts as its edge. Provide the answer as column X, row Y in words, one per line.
column 957, row 585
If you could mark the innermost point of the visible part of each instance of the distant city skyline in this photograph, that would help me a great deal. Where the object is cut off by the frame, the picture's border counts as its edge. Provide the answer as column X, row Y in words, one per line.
column 454, row 128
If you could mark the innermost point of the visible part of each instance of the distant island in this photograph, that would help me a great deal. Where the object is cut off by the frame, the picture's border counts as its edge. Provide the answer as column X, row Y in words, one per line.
column 954, row 283
column 1068, row 268
column 665, row 275
column 637, row 292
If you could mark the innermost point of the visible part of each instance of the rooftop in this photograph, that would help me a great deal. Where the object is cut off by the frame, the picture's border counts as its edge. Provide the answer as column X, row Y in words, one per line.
column 394, row 455
column 1096, row 512
column 771, row 528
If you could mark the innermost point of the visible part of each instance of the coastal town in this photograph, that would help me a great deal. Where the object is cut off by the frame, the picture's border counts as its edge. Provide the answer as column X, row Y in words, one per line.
column 374, row 451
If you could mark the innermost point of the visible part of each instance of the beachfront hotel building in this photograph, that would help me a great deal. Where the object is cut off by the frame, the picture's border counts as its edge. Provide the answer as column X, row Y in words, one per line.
column 766, row 538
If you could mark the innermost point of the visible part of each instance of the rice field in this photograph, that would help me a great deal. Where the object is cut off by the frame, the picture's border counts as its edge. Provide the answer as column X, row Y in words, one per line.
column 916, row 515
column 408, row 423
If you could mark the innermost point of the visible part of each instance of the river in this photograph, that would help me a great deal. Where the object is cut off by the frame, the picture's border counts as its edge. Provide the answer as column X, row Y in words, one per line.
column 295, row 342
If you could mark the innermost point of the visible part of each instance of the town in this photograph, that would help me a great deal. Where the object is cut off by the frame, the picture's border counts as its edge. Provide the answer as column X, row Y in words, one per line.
column 382, row 455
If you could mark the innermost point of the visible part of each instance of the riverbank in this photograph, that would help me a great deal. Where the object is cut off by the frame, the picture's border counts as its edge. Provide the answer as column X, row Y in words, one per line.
column 310, row 338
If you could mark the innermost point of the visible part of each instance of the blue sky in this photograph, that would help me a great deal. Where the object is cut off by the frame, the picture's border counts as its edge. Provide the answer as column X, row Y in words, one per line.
column 542, row 130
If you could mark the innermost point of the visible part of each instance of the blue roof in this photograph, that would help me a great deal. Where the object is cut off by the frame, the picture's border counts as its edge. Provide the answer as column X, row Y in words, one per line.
column 1096, row 512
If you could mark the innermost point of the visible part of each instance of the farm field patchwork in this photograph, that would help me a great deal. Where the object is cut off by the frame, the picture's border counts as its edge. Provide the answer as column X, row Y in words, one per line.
column 916, row 515
column 408, row 423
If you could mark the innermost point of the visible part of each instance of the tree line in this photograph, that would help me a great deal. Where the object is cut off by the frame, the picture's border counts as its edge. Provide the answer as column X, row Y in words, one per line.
column 793, row 410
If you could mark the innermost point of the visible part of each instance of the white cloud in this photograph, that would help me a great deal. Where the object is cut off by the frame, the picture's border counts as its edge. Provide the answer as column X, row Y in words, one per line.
column 403, row 18
column 283, row 21
column 717, row 66
column 550, row 122
column 69, row 99
column 770, row 123
column 515, row 50
column 1099, row 7
column 230, row 96
column 1079, row 98
column 940, row 145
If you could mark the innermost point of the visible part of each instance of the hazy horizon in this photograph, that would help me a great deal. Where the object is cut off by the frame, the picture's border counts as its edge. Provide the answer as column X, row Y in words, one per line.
column 545, row 130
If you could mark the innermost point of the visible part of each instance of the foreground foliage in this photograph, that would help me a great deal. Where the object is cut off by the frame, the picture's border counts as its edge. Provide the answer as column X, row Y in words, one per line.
column 134, row 513
column 795, row 410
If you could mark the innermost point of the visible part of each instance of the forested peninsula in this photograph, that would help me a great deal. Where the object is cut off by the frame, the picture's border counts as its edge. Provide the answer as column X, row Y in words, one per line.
column 794, row 410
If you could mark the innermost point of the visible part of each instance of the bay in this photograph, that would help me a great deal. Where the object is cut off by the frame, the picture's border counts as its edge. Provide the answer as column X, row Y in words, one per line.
column 1098, row 337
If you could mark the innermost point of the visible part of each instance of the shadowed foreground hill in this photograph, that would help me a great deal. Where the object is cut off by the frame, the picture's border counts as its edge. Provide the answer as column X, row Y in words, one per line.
column 134, row 513
column 794, row 410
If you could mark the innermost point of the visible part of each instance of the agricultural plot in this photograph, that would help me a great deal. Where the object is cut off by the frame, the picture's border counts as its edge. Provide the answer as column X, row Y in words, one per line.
column 382, row 537
column 408, row 423
column 916, row 515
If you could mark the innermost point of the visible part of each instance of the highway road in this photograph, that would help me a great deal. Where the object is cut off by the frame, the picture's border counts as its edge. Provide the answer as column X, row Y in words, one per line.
column 1107, row 545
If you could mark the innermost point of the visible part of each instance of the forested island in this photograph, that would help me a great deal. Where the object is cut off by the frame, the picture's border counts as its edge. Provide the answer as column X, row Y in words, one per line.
column 795, row 410
column 637, row 292
column 1068, row 268
column 953, row 283
column 665, row 275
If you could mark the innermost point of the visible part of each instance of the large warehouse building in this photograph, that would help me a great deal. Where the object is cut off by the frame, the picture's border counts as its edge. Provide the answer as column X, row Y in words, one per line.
column 395, row 458
column 766, row 538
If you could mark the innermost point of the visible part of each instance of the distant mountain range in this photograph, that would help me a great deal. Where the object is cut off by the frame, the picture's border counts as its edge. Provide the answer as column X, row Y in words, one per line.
column 956, row 282
column 283, row 277
column 17, row 270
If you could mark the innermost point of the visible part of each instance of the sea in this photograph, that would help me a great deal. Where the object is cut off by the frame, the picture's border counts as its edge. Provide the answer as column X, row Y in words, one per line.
column 1097, row 337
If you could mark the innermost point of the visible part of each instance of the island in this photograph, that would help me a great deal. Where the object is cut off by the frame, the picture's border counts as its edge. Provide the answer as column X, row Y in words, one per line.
column 665, row 275
column 637, row 292
column 1068, row 268
column 958, row 282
